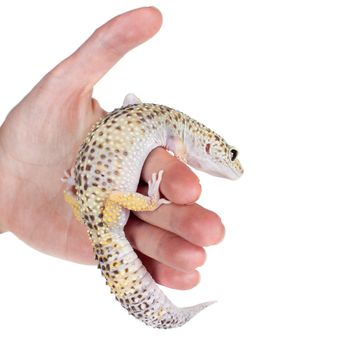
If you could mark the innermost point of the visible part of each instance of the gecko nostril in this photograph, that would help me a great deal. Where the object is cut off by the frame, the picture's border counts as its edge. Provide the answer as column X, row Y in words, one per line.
column 207, row 148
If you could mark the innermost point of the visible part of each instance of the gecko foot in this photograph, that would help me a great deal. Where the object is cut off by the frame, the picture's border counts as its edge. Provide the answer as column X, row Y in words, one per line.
column 137, row 201
column 153, row 188
column 68, row 177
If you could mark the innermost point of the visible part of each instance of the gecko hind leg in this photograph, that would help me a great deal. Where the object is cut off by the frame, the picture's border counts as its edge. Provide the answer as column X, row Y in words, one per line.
column 69, row 193
column 137, row 201
column 71, row 199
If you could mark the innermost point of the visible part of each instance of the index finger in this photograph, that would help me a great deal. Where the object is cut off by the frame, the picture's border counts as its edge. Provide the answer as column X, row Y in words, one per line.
column 179, row 184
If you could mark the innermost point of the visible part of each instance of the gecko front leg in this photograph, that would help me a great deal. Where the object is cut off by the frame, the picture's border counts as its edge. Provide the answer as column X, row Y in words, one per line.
column 137, row 201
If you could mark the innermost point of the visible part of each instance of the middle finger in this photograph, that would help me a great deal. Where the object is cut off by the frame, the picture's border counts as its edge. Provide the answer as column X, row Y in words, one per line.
column 194, row 223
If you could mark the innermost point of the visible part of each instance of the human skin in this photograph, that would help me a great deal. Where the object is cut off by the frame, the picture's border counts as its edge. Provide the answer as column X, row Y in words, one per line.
column 40, row 138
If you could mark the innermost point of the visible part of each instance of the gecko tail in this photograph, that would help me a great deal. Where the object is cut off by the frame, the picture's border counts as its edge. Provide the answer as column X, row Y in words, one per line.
column 195, row 309
column 135, row 288
column 174, row 316
column 192, row 311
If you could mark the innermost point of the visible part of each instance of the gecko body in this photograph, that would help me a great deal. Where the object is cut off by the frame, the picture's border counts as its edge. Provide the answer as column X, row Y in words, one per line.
column 103, row 185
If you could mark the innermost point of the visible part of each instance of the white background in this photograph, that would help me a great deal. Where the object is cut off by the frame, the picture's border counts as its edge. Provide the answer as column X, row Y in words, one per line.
column 273, row 78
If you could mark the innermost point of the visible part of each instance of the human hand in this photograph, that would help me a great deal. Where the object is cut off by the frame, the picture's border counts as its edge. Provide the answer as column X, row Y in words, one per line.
column 40, row 139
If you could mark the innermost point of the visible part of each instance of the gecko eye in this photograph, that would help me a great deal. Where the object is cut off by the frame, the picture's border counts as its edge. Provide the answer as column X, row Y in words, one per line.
column 234, row 154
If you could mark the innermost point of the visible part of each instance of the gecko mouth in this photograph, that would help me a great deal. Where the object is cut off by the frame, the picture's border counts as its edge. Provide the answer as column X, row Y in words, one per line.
column 235, row 170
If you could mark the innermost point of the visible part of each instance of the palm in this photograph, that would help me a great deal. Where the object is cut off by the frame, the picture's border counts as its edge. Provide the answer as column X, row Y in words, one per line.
column 45, row 150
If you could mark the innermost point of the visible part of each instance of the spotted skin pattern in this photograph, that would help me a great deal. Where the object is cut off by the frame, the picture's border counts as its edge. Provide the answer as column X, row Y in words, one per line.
column 103, row 186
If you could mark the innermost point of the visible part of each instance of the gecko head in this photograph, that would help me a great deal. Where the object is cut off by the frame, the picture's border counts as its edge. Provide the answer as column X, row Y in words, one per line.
column 214, row 156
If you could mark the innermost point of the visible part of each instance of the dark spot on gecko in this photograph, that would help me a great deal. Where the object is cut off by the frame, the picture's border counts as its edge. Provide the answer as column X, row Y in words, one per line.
column 88, row 167
column 125, row 153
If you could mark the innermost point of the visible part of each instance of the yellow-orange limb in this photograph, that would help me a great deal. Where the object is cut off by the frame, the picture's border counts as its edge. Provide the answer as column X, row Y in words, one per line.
column 71, row 200
column 111, row 212
column 134, row 201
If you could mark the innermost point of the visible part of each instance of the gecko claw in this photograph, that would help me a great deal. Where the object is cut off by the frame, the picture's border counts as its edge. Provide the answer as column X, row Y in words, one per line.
column 153, row 188
column 68, row 177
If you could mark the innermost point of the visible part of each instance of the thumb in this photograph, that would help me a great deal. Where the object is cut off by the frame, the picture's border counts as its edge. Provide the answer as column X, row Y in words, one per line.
column 106, row 46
